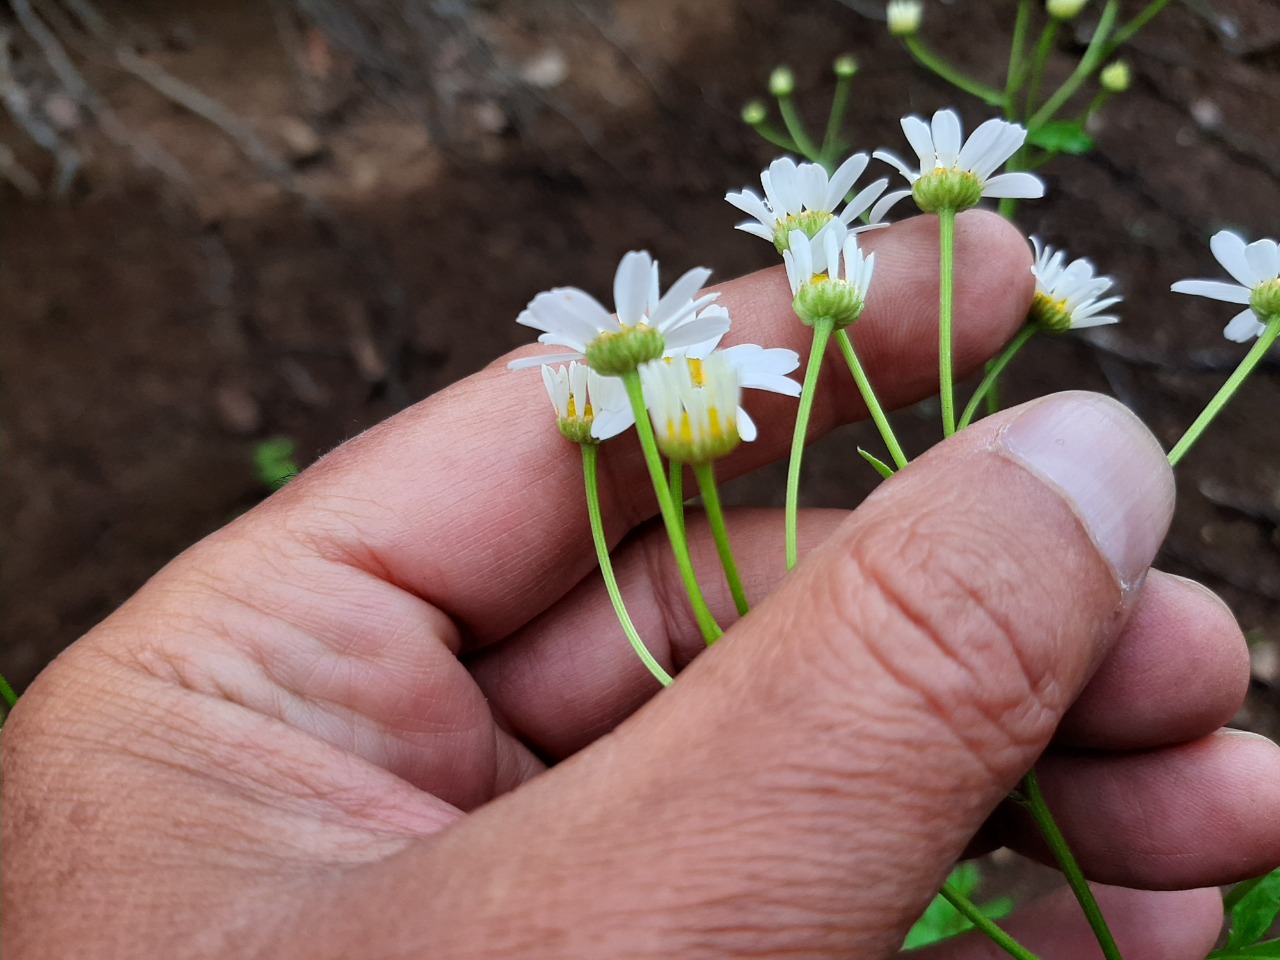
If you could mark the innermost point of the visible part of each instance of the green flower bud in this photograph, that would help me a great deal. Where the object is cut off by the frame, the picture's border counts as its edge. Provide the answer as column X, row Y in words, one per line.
column 782, row 82
column 1064, row 9
column 809, row 222
column 614, row 354
column 947, row 189
column 1115, row 77
column 837, row 300
column 845, row 67
column 904, row 17
column 1265, row 300
column 754, row 113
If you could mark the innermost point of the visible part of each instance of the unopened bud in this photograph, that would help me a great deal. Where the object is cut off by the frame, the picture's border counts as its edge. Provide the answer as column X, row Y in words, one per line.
column 782, row 82
column 904, row 17
column 845, row 67
column 1064, row 9
column 754, row 113
column 1115, row 77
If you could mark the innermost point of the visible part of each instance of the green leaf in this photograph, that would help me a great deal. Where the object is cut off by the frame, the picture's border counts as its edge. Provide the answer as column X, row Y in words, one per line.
column 1062, row 136
column 1254, row 915
column 274, row 463
column 1259, row 951
column 941, row 921
column 882, row 468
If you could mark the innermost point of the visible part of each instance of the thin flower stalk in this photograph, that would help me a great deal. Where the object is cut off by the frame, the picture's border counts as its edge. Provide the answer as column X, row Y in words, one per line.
column 589, row 472
column 705, row 475
column 871, row 400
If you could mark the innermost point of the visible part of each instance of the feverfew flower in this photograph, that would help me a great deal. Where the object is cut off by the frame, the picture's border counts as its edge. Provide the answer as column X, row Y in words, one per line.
column 955, row 176
column 646, row 324
column 587, row 405
column 904, row 17
column 1256, row 268
column 820, row 290
column 1068, row 295
column 694, row 422
column 800, row 196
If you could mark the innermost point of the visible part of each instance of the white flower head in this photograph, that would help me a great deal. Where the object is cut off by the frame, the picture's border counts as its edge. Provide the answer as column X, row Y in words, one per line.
column 800, row 196
column 820, row 287
column 1069, row 295
column 956, row 175
column 1256, row 269
column 694, row 421
column 646, row 325
column 587, row 405
column 904, row 17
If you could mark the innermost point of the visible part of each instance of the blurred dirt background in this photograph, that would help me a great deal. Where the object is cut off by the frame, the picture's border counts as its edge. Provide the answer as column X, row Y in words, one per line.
column 257, row 220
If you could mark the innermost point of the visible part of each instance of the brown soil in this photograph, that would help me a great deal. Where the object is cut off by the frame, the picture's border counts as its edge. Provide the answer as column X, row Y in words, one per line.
column 153, row 334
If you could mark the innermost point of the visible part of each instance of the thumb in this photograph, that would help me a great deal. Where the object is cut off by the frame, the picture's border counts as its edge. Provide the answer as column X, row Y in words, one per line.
column 803, row 787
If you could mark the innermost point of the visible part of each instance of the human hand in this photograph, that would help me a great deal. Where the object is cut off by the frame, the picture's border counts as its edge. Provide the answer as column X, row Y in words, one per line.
column 324, row 731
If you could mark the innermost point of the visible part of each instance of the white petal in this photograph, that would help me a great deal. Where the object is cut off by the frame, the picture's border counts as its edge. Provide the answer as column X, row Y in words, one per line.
column 1264, row 260
column 678, row 297
column 631, row 287
column 921, row 140
column 979, row 142
column 610, row 423
column 527, row 363
column 785, row 188
column 1245, row 325
column 1009, row 138
column 1024, row 186
column 696, row 330
column 812, row 181
column 1228, row 247
column 1093, row 320
column 746, row 426
column 843, row 179
column 1215, row 289
column 946, row 137
column 897, row 163
column 751, row 204
column 700, row 351
column 886, row 202
column 755, row 229
column 865, row 198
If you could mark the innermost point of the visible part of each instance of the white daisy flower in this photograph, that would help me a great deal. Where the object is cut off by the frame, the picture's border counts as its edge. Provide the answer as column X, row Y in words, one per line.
column 956, row 176
column 694, row 422
column 645, row 326
column 1256, row 268
column 819, row 287
column 587, row 405
column 758, row 368
column 1068, row 294
column 802, row 197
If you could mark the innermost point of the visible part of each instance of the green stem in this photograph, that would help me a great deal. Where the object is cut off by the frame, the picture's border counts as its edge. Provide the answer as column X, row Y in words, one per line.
column 795, row 126
column 931, row 61
column 1017, row 51
column 1040, row 813
column 969, row 910
column 1093, row 56
column 768, row 132
column 994, row 369
column 706, row 477
column 869, row 398
column 821, row 334
column 946, row 282
column 711, row 631
column 831, row 139
column 1126, row 33
column 589, row 454
column 675, row 483
column 1260, row 348
column 6, row 691
column 1043, row 48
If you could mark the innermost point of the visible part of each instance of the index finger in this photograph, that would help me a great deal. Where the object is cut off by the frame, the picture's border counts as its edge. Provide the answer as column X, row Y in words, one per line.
column 472, row 501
